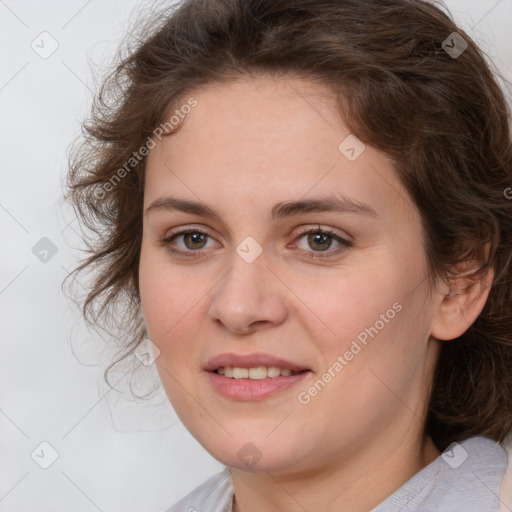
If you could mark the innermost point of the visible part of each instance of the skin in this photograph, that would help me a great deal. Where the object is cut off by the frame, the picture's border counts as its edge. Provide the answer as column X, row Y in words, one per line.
column 247, row 145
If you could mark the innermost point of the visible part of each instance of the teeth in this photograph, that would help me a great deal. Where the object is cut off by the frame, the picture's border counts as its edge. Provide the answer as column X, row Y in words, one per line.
column 256, row 373
column 273, row 371
column 240, row 373
column 259, row 372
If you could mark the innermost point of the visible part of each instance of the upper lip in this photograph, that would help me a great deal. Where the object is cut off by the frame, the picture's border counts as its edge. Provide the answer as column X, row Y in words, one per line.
column 251, row 361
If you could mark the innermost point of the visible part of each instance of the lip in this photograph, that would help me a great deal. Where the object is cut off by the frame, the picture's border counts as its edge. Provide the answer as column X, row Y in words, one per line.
column 250, row 361
column 249, row 389
column 252, row 389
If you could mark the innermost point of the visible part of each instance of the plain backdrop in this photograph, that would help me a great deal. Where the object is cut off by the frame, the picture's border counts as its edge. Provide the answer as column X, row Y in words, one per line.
column 112, row 452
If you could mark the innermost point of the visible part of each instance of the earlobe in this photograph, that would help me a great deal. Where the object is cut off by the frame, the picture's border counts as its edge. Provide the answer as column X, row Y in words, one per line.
column 460, row 306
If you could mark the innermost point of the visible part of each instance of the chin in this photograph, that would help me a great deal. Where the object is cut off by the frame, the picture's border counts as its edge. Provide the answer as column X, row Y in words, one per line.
column 253, row 453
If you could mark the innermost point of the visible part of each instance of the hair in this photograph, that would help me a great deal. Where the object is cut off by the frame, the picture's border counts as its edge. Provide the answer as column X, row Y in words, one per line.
column 443, row 121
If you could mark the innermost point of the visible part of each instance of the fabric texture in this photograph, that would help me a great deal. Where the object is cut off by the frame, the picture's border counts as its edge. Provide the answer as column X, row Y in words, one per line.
column 466, row 477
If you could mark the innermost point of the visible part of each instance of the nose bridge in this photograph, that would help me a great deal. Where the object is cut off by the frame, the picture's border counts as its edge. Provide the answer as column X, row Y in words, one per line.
column 246, row 295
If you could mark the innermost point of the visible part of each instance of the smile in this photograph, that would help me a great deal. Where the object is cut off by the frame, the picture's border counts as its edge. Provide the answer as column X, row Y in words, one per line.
column 255, row 373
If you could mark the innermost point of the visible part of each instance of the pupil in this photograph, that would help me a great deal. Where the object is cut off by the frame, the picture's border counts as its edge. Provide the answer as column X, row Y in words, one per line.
column 319, row 238
column 195, row 238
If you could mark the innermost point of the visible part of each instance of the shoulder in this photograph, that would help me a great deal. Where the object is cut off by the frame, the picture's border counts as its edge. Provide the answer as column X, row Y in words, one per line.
column 213, row 495
column 466, row 476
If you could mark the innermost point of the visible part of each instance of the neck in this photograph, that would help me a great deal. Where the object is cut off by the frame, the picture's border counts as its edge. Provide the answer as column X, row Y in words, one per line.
column 358, row 481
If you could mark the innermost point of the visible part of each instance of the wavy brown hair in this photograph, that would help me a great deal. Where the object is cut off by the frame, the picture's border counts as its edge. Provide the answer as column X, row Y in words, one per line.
column 443, row 120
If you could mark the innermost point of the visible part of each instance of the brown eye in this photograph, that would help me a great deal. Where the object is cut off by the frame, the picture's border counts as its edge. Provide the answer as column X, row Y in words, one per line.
column 318, row 241
column 194, row 240
column 186, row 242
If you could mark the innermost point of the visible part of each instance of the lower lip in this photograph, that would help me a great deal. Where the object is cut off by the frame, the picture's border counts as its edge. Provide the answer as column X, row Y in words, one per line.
column 253, row 389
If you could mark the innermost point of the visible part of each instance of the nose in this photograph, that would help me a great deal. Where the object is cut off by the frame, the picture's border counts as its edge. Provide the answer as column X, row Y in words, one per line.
column 249, row 297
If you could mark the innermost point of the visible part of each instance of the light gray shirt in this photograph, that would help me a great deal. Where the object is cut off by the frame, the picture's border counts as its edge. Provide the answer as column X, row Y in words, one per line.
column 466, row 477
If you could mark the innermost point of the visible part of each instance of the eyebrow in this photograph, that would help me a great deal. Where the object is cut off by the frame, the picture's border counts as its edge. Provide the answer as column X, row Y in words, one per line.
column 339, row 204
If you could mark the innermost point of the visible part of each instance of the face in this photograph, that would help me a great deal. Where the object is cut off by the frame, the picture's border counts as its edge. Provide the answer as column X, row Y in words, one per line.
column 290, row 304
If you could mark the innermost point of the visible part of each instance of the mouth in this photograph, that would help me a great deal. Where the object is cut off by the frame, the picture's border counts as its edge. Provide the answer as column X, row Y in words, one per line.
column 252, row 376
column 255, row 362
column 255, row 372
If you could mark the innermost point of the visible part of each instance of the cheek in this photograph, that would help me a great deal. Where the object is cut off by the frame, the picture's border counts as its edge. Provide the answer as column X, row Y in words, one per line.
column 366, row 326
column 166, row 296
column 350, row 305
column 167, row 304
column 173, row 303
column 154, row 296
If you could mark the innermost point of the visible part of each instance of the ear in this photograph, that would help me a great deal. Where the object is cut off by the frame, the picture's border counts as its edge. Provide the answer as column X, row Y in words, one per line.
column 461, row 302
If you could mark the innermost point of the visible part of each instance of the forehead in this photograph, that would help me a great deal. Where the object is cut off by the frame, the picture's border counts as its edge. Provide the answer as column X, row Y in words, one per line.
column 265, row 118
column 266, row 139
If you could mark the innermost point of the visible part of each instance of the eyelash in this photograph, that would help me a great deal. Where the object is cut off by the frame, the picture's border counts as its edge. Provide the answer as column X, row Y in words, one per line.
column 346, row 244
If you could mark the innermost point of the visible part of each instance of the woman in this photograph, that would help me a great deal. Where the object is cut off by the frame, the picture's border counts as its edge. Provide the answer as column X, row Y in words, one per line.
column 303, row 205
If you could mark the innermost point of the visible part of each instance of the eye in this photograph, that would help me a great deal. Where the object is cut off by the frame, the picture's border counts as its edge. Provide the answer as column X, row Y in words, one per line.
column 192, row 240
column 321, row 241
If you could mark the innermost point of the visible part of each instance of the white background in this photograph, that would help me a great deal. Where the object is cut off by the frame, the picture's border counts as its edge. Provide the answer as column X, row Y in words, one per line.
column 113, row 453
